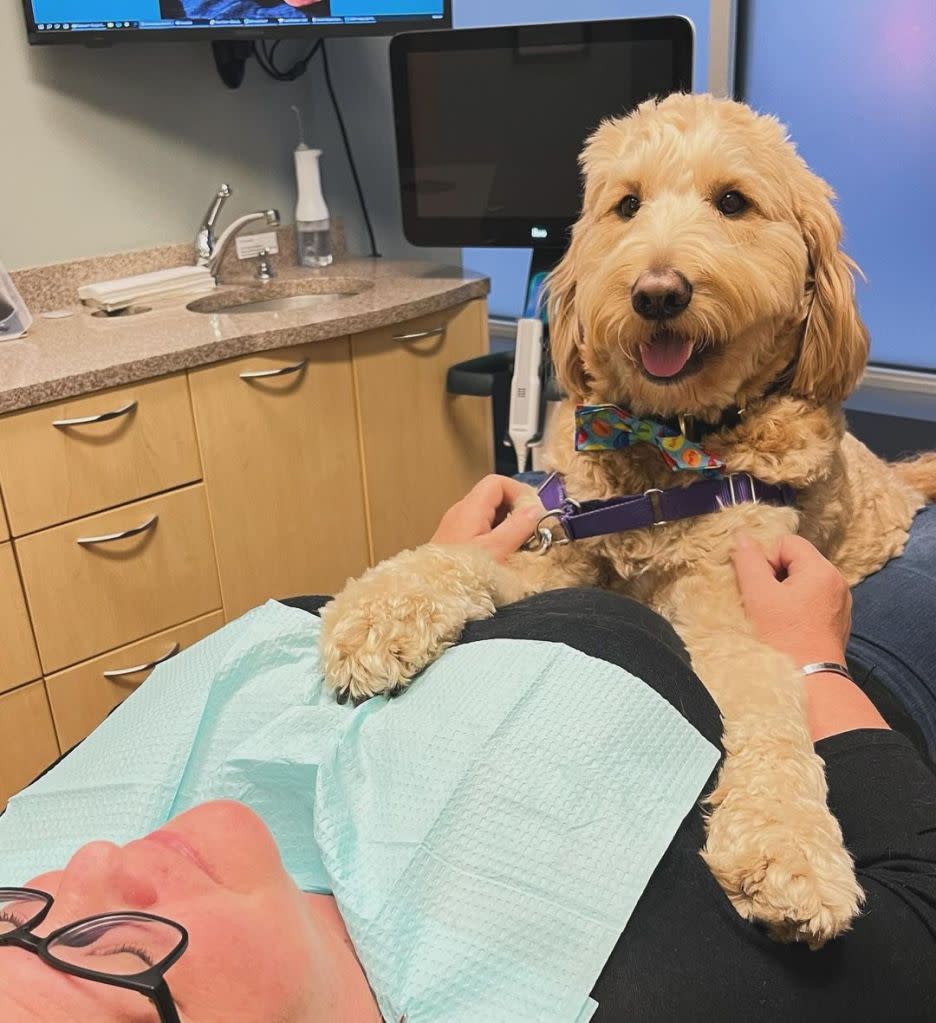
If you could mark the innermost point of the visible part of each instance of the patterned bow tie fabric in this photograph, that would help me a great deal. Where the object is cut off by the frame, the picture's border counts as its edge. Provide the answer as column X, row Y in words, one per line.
column 609, row 428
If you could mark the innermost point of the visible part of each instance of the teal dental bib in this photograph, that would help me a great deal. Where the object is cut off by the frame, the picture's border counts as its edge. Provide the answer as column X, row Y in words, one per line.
column 486, row 836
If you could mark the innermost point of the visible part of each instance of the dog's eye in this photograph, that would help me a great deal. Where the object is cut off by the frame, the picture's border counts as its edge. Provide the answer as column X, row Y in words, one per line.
column 629, row 205
column 731, row 203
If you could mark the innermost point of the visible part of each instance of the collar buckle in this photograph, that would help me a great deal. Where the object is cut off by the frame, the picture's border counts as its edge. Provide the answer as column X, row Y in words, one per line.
column 544, row 537
column 654, row 494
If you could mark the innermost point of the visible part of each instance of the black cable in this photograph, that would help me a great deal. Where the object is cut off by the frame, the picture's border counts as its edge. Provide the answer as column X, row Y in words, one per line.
column 271, row 56
column 347, row 144
column 261, row 60
column 266, row 60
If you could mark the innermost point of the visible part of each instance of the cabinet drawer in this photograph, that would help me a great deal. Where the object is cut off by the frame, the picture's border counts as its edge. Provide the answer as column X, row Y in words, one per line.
column 27, row 739
column 92, row 596
column 81, row 697
column 144, row 443
column 18, row 660
column 4, row 528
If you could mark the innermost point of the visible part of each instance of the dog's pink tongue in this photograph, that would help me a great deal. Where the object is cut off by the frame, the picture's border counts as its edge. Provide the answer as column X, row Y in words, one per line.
column 666, row 355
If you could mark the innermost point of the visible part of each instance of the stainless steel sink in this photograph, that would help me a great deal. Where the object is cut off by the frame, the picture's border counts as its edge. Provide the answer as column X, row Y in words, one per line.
column 280, row 296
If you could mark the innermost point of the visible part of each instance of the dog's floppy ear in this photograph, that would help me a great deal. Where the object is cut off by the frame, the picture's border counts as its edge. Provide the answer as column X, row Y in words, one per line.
column 835, row 342
column 565, row 328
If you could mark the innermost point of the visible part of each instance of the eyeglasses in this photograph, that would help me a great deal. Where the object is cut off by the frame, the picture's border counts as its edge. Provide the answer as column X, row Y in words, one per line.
column 128, row 950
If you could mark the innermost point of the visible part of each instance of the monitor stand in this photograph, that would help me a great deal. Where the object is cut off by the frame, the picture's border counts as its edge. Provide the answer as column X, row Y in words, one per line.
column 230, row 57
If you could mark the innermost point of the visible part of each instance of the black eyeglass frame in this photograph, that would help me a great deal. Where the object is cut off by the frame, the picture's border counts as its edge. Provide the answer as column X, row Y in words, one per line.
column 150, row 982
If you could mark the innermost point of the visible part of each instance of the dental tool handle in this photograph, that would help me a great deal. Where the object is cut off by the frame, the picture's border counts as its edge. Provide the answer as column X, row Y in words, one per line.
column 524, row 420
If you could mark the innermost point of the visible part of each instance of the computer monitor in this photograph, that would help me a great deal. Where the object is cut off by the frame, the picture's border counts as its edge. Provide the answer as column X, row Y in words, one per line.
column 490, row 122
column 108, row 21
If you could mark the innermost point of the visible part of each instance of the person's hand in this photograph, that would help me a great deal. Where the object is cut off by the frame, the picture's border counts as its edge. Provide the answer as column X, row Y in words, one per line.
column 798, row 602
column 491, row 517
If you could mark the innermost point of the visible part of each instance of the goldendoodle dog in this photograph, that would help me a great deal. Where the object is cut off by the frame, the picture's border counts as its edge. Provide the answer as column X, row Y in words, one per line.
column 704, row 286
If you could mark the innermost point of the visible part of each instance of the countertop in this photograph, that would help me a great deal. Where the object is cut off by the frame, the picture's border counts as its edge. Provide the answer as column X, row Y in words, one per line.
column 65, row 357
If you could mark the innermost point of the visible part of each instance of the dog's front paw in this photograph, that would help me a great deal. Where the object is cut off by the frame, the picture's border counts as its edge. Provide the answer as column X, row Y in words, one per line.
column 375, row 644
column 795, row 876
column 385, row 627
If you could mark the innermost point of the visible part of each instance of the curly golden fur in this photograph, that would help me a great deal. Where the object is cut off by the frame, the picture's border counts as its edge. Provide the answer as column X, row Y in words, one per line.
column 772, row 300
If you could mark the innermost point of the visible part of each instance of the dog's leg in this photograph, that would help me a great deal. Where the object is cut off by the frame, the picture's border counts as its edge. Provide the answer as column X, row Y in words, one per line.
column 385, row 627
column 773, row 844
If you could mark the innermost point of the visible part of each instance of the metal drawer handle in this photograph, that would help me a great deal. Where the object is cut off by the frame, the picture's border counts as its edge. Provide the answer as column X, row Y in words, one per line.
column 281, row 372
column 102, row 418
column 109, row 537
column 120, row 672
column 420, row 334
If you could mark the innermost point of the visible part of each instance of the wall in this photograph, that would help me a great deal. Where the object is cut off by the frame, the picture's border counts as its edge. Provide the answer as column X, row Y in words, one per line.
column 123, row 148
column 112, row 149
column 858, row 93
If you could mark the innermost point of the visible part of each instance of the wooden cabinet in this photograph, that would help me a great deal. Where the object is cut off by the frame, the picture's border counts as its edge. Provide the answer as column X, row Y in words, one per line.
column 283, row 472
column 423, row 448
column 27, row 739
column 261, row 477
column 90, row 590
column 81, row 697
column 120, row 445
column 18, row 660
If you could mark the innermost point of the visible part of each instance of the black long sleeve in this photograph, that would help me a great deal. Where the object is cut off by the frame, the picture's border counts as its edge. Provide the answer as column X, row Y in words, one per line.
column 686, row 955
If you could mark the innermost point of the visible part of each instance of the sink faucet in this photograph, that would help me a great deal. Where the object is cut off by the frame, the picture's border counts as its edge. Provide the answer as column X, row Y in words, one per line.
column 209, row 250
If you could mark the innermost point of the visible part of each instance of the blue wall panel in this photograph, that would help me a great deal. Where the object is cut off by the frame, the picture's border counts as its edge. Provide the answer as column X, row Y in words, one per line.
column 856, row 84
column 508, row 268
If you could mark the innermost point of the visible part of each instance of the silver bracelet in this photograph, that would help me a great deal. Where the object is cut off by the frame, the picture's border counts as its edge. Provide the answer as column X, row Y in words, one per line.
column 821, row 666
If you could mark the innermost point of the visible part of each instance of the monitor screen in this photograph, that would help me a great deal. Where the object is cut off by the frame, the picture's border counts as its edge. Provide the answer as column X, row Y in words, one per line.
column 490, row 122
column 93, row 21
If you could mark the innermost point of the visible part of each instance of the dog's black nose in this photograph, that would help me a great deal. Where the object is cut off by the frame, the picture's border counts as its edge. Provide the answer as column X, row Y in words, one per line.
column 660, row 294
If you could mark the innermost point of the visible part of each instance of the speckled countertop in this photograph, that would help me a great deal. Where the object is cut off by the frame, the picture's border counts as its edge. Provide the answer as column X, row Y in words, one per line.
column 64, row 357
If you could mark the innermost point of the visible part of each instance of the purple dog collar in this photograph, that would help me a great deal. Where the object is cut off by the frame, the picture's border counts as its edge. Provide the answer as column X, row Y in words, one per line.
column 651, row 508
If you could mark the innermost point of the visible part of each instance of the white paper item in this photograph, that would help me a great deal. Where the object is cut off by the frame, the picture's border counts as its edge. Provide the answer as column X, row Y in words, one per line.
column 113, row 295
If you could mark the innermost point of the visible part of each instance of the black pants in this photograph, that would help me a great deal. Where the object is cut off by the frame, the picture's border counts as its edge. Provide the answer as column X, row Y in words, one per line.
column 686, row 955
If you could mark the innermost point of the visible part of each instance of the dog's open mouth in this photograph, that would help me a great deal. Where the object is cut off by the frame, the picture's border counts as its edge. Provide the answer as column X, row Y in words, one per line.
column 669, row 357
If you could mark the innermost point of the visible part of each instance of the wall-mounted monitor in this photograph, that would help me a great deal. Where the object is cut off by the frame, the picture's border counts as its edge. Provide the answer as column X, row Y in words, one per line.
column 490, row 121
column 108, row 21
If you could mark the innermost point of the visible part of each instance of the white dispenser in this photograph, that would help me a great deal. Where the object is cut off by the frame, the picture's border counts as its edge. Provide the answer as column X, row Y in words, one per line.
column 14, row 316
column 313, row 223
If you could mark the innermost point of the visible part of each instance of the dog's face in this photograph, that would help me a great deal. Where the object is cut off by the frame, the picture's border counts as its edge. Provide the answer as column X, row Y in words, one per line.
column 706, row 260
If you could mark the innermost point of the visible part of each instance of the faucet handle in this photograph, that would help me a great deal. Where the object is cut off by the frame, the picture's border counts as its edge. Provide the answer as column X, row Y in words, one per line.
column 214, row 210
column 205, row 238
column 265, row 271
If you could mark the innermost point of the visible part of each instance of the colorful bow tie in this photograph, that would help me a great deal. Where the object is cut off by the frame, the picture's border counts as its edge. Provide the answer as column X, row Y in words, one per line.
column 608, row 427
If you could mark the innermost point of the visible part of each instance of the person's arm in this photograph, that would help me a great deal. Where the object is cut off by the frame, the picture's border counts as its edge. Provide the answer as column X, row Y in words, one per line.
column 881, row 790
column 800, row 604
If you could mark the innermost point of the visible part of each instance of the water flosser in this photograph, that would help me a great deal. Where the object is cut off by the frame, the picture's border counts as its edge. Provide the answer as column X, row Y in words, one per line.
column 313, row 224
